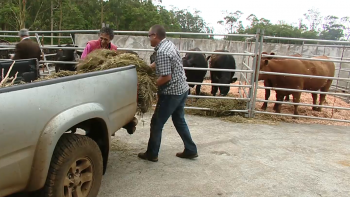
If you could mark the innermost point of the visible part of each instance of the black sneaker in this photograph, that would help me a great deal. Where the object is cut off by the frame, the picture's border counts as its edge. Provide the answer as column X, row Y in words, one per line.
column 145, row 157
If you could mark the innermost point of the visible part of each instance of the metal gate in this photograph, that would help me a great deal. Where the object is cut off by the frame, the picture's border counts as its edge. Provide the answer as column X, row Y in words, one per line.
column 248, row 69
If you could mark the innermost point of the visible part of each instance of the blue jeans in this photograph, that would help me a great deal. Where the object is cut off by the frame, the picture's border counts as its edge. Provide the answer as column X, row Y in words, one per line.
column 170, row 105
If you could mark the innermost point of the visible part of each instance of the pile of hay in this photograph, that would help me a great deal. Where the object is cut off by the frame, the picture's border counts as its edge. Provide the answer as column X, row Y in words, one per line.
column 103, row 59
column 219, row 107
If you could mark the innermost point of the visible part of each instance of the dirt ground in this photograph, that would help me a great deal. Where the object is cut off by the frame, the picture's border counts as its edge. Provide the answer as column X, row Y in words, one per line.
column 234, row 160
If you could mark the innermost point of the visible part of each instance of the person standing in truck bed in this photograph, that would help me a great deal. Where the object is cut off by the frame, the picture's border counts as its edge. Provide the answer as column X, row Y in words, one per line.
column 104, row 42
column 172, row 94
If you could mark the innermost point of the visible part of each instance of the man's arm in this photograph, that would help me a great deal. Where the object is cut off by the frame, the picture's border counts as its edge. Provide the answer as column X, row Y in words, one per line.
column 163, row 80
column 153, row 65
column 163, row 63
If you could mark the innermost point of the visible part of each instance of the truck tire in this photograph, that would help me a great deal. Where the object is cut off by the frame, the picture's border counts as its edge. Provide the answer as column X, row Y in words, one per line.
column 76, row 168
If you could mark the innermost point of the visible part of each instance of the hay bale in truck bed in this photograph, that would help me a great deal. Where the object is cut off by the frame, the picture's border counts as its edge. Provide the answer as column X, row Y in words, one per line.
column 103, row 59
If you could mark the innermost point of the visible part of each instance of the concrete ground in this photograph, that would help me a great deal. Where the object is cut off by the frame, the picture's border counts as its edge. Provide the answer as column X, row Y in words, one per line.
column 234, row 160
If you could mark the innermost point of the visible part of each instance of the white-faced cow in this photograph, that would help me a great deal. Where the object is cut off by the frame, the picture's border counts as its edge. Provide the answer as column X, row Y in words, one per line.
column 219, row 61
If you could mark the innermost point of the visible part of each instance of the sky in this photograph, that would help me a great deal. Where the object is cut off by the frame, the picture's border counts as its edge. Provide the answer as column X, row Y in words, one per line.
column 273, row 10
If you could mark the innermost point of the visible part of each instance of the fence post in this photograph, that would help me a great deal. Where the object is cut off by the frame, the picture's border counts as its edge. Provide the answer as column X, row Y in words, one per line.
column 245, row 48
column 252, row 76
column 256, row 75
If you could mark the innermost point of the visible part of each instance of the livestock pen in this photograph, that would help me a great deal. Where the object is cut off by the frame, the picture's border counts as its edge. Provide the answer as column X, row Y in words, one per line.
column 332, row 107
column 248, row 88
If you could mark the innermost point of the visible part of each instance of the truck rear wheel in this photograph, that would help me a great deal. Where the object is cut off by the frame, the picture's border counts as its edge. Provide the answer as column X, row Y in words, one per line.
column 76, row 168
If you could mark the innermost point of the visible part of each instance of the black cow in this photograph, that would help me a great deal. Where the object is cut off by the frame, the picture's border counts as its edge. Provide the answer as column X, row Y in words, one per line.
column 195, row 60
column 224, row 77
column 67, row 55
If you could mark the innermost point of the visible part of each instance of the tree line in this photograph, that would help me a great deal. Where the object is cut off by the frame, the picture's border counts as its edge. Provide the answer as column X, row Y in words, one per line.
column 139, row 15
column 316, row 26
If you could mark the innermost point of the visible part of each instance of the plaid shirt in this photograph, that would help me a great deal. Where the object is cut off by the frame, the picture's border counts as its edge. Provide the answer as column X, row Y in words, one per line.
column 168, row 61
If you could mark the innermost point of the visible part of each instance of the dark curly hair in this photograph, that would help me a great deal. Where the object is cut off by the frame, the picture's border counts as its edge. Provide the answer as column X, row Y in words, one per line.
column 108, row 31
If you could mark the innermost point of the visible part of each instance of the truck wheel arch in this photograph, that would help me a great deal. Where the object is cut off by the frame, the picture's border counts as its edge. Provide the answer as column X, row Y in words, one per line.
column 87, row 114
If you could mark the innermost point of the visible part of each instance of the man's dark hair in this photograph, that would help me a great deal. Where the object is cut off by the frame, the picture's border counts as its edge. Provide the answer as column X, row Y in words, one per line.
column 159, row 30
column 108, row 31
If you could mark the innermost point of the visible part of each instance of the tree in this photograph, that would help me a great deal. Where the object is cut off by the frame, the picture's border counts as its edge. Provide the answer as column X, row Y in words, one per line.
column 332, row 29
column 346, row 23
column 314, row 18
column 301, row 25
column 253, row 20
column 140, row 15
column 231, row 22
column 191, row 22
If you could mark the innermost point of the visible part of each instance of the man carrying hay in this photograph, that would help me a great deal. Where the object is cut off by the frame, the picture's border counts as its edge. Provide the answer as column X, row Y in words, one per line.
column 172, row 94
column 104, row 42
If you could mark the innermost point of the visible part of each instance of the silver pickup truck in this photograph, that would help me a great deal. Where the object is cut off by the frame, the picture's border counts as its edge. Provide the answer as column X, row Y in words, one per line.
column 40, row 151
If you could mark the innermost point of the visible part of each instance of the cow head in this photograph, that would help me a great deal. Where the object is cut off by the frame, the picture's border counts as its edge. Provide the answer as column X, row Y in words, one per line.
column 263, row 63
column 187, row 61
column 66, row 54
column 226, row 79
column 265, row 60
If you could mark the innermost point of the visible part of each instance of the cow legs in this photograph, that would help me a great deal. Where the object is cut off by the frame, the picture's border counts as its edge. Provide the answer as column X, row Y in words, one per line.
column 57, row 68
column 278, row 106
column 267, row 96
column 323, row 96
column 214, row 90
column 214, row 79
column 198, row 89
column 296, row 99
column 322, row 99
column 314, row 101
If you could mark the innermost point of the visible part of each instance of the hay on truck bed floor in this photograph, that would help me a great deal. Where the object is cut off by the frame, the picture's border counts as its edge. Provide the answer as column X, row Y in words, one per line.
column 103, row 59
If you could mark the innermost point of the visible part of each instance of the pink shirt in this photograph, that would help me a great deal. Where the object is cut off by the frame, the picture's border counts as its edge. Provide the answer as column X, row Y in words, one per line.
column 94, row 44
column 87, row 50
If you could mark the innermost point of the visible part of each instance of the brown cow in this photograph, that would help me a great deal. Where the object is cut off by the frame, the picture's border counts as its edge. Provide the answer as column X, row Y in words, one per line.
column 304, row 67
column 267, row 83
